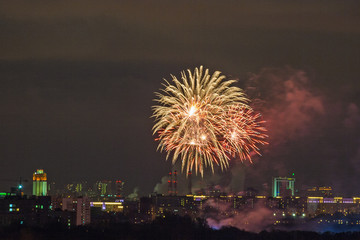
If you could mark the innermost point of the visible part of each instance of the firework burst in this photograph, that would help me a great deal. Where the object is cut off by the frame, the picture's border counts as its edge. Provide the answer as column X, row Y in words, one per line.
column 203, row 119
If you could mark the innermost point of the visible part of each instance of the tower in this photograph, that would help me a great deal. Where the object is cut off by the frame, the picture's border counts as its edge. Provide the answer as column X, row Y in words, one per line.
column 119, row 186
column 39, row 183
column 170, row 184
column 189, row 183
column 175, row 184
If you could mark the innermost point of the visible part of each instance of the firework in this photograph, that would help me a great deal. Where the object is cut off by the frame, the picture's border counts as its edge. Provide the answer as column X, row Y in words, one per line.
column 203, row 119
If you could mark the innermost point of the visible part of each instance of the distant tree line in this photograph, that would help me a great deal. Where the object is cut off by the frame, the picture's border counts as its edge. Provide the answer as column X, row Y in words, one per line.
column 168, row 227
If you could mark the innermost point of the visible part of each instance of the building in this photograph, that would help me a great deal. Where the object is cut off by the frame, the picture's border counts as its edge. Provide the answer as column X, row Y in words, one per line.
column 108, row 212
column 108, row 206
column 33, row 211
column 119, row 187
column 283, row 187
column 323, row 205
column 39, row 183
column 81, row 206
column 76, row 189
column 103, row 188
column 319, row 192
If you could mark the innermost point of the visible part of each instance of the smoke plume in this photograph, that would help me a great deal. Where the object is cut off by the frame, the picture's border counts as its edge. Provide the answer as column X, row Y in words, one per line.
column 285, row 98
column 220, row 214
column 134, row 195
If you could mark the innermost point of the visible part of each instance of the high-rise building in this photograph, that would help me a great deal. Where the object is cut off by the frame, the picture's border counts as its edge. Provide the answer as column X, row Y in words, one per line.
column 189, row 183
column 172, row 183
column 175, row 192
column 77, row 188
column 80, row 205
column 39, row 183
column 119, row 187
column 283, row 187
column 82, row 211
column 103, row 187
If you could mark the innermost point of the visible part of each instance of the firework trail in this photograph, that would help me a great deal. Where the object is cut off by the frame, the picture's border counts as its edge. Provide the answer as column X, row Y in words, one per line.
column 203, row 120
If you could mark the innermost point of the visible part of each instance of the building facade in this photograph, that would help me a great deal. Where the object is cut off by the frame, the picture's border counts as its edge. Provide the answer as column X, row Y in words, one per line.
column 283, row 187
column 39, row 183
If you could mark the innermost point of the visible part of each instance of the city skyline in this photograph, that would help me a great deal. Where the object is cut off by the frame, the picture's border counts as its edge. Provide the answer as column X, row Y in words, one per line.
column 316, row 209
column 78, row 83
column 171, row 185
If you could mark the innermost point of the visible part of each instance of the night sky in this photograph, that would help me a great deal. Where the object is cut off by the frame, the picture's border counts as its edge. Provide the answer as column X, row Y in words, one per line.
column 77, row 80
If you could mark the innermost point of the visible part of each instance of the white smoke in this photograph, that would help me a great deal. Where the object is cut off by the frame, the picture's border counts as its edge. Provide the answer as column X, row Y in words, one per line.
column 254, row 219
column 134, row 195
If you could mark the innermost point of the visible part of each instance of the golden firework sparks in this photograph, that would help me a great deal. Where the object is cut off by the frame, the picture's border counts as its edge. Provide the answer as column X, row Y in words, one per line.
column 203, row 119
